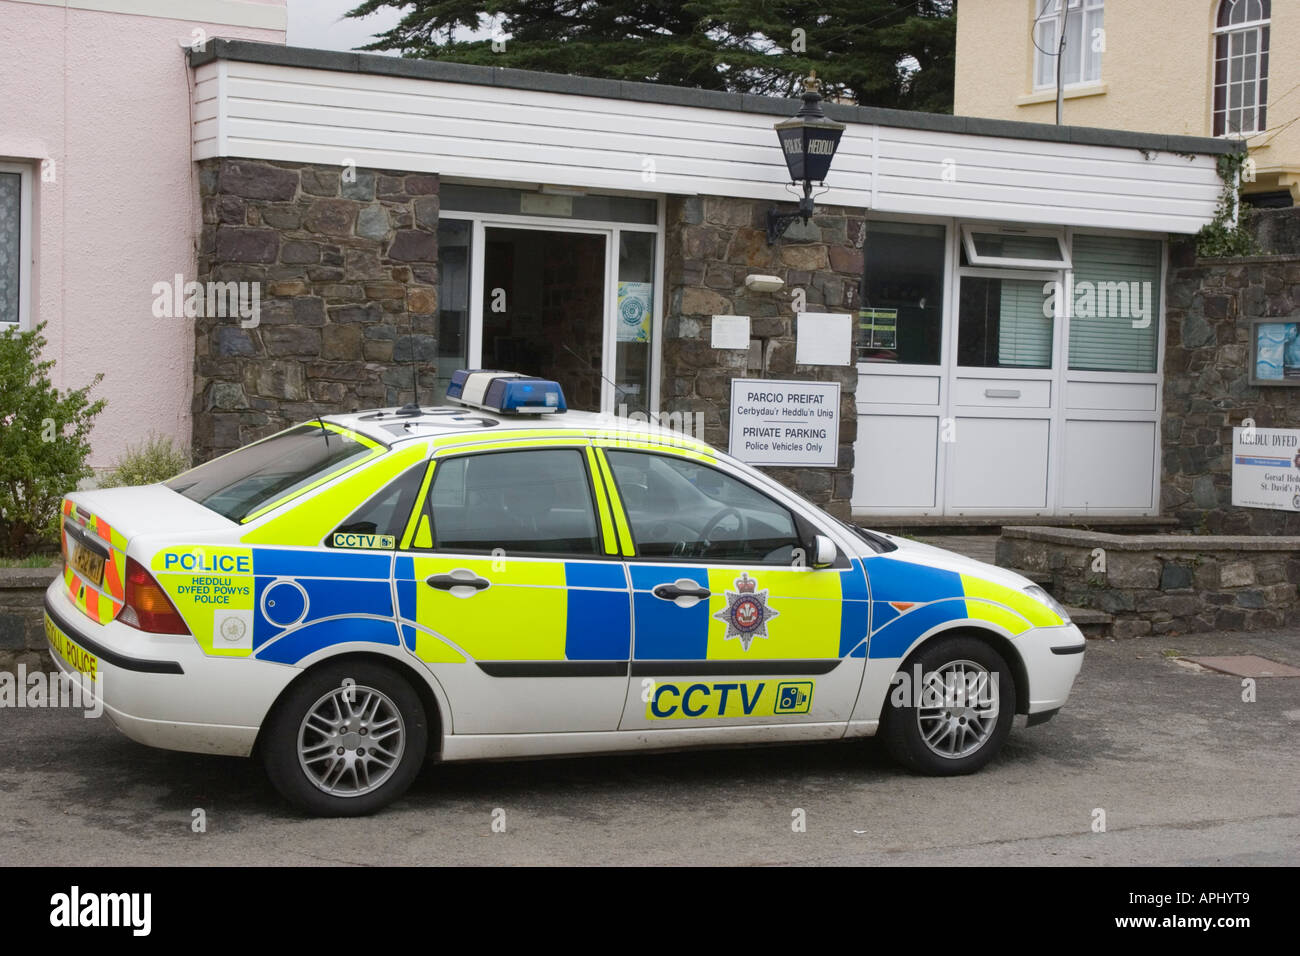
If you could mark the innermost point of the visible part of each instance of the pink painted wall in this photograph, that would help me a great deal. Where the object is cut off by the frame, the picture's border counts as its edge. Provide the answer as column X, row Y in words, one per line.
column 106, row 96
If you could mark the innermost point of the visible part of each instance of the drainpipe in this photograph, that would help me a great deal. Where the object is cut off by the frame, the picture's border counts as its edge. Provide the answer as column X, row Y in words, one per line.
column 1060, row 56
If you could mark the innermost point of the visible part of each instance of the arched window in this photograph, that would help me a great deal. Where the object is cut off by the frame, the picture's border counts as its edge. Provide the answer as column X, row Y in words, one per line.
column 1241, row 66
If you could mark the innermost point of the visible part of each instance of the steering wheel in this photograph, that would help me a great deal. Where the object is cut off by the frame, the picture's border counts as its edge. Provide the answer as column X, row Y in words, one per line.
column 706, row 542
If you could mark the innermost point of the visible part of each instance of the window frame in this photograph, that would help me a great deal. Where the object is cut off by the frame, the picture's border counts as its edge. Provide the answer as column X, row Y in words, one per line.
column 1222, row 76
column 1022, row 371
column 970, row 229
column 424, row 507
column 1157, row 319
column 26, row 254
column 805, row 530
column 1043, row 18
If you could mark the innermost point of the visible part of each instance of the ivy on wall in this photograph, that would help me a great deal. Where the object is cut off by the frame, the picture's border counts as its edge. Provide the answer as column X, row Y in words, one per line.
column 1221, row 237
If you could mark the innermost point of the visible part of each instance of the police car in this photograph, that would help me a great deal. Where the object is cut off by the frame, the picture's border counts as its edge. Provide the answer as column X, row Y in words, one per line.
column 500, row 577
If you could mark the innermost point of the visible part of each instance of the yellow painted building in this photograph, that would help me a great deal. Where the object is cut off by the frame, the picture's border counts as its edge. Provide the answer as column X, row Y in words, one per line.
column 1187, row 67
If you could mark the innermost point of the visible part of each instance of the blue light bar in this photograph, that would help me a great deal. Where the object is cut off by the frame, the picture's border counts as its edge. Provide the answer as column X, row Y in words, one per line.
column 505, row 392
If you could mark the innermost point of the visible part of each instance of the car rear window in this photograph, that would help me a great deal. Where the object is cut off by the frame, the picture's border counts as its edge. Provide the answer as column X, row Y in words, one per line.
column 244, row 482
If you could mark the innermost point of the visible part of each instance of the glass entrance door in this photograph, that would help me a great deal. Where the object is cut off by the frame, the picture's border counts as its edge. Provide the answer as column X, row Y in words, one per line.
column 556, row 286
column 544, row 308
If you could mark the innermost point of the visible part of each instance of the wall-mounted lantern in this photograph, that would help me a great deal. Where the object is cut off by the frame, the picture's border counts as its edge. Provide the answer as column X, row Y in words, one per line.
column 808, row 142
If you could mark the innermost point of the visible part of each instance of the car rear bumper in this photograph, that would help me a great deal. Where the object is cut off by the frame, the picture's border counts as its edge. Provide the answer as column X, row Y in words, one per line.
column 162, row 690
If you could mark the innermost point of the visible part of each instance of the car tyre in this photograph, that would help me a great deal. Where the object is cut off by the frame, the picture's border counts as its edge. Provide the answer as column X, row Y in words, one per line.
column 345, row 740
column 951, row 732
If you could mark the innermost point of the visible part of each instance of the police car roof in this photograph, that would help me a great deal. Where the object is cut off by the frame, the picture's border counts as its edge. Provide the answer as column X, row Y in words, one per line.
column 391, row 425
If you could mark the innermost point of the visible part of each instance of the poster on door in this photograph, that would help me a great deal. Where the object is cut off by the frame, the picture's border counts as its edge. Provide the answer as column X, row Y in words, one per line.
column 785, row 423
column 1266, row 468
column 634, row 301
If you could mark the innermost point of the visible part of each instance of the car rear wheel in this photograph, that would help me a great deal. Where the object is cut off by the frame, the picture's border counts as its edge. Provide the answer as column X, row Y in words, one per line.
column 961, row 714
column 346, row 740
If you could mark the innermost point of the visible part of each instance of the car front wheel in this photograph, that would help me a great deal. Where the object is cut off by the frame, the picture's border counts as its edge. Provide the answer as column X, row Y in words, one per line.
column 346, row 740
column 959, row 715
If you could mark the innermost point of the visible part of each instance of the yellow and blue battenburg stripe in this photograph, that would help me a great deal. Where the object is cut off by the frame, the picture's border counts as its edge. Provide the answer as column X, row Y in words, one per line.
column 818, row 615
column 909, row 600
column 320, row 599
column 521, row 609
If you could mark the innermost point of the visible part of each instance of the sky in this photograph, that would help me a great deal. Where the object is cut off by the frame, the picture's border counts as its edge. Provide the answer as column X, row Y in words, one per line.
column 320, row 24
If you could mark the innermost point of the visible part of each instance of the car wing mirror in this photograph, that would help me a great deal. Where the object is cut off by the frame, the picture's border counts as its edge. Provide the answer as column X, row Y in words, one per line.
column 824, row 552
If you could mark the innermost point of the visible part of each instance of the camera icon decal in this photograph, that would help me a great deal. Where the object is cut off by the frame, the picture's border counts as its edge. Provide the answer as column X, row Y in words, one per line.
column 793, row 697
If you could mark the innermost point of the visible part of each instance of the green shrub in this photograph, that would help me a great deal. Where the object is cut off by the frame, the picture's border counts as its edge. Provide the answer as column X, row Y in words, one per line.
column 44, row 442
column 155, row 459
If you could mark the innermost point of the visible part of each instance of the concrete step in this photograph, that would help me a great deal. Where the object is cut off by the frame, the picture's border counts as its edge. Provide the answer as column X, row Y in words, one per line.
column 1042, row 578
column 1093, row 624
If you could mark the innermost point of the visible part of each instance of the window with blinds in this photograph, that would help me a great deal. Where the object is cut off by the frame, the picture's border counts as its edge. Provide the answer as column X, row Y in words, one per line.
column 1115, row 305
column 1002, row 324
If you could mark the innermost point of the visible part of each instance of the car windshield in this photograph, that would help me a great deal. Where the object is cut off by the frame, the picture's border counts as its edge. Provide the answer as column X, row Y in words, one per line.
column 240, row 484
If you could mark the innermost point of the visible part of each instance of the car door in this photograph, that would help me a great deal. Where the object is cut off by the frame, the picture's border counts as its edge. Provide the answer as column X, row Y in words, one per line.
column 733, row 628
column 508, row 592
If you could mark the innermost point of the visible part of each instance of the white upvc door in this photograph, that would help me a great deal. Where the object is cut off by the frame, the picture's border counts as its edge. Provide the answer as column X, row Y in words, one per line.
column 1037, row 437
column 1000, row 424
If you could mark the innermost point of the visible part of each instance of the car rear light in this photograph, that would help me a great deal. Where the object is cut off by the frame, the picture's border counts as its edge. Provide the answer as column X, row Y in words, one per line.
column 147, row 607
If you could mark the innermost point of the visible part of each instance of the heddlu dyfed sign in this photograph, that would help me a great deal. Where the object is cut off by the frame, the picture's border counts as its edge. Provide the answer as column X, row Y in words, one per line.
column 1266, row 468
column 785, row 423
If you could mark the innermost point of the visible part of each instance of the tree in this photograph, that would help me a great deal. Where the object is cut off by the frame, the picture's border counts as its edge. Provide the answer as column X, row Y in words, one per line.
column 891, row 53
column 44, row 442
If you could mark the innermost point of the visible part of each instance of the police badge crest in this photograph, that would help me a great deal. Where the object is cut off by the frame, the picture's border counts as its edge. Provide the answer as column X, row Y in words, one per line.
column 747, row 612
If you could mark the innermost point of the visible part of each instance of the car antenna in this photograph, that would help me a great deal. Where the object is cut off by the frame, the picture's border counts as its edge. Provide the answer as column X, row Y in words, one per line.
column 323, row 430
column 412, row 408
column 617, row 388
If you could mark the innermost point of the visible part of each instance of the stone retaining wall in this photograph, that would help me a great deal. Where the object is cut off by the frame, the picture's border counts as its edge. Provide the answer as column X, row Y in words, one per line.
column 22, row 630
column 1165, row 583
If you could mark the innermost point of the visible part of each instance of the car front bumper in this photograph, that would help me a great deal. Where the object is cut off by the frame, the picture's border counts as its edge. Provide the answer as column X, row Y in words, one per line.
column 1053, row 657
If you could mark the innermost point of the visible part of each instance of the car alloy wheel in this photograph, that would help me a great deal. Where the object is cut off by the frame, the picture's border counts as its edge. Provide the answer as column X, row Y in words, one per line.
column 964, row 711
column 351, row 741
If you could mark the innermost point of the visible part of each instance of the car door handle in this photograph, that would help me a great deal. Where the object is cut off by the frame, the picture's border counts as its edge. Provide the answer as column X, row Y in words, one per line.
column 683, row 592
column 461, row 583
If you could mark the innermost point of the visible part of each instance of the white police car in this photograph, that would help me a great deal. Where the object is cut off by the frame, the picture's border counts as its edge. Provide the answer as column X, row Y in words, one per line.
column 501, row 578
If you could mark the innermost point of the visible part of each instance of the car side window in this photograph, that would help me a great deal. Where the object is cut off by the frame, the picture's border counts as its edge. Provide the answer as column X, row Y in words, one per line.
column 523, row 502
column 386, row 512
column 679, row 508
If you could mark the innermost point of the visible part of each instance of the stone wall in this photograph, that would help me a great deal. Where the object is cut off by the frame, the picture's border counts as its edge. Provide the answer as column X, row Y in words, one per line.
column 1164, row 584
column 712, row 244
column 1210, row 303
column 22, row 627
column 1277, row 231
column 348, row 274
column 347, row 269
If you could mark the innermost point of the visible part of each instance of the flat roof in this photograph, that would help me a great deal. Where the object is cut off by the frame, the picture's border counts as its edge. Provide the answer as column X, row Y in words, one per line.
column 250, row 51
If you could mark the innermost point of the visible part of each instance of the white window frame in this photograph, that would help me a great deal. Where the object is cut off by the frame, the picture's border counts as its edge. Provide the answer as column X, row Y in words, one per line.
column 970, row 229
column 1257, row 27
column 610, row 230
column 25, row 251
column 1045, row 20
